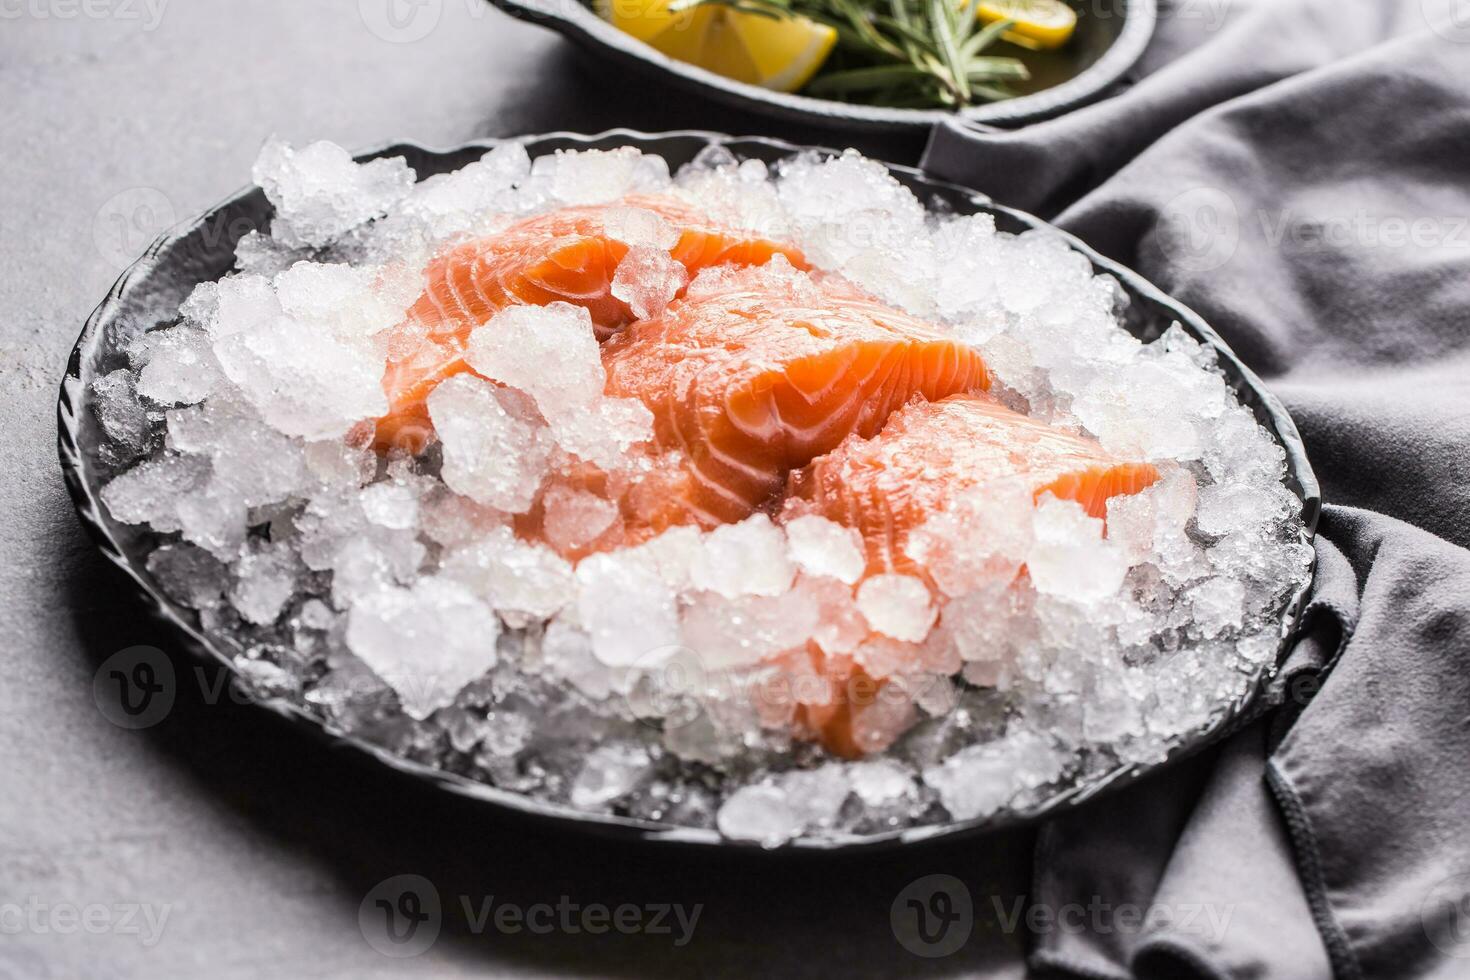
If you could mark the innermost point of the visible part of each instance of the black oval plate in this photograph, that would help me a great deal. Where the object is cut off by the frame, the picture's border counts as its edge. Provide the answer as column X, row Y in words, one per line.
column 149, row 293
column 1110, row 37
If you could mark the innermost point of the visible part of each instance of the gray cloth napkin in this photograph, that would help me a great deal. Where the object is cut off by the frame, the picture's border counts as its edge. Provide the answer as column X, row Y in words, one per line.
column 1300, row 175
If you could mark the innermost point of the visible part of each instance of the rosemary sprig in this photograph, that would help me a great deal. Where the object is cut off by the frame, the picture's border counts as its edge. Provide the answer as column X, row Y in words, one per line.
column 912, row 53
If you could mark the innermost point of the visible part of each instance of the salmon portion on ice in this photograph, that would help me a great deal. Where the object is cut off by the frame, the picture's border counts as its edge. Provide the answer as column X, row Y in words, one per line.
column 764, row 372
column 925, row 458
column 570, row 255
column 932, row 452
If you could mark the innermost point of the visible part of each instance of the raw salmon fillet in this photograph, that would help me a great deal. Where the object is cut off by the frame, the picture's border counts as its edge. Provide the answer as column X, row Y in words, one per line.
column 927, row 455
column 930, row 453
column 565, row 255
column 763, row 373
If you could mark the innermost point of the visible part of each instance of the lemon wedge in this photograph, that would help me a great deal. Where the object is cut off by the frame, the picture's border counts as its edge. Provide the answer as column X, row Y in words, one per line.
column 781, row 54
column 1036, row 24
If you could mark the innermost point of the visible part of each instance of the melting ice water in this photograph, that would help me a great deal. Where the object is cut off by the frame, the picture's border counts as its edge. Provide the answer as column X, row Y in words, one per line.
column 395, row 598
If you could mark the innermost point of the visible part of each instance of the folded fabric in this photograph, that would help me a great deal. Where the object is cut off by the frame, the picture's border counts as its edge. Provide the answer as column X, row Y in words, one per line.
column 1299, row 177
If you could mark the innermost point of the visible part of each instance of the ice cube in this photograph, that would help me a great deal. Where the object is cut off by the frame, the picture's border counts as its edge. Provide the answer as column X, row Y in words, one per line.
column 599, row 176
column 899, row 606
column 427, row 642
column 881, row 782
column 549, row 352
column 744, row 631
column 265, row 679
column 122, row 417
column 979, row 780
column 823, row 547
column 626, row 608
column 760, row 813
column 217, row 521
column 881, row 656
column 605, row 432
column 1218, row 605
column 671, row 555
column 317, row 615
column 469, row 201
column 188, row 575
column 1069, row 557
column 609, row 772
column 251, row 463
column 449, row 519
column 888, row 714
column 713, row 156
column 491, row 455
column 150, row 493
column 965, row 282
column 181, row 368
column 511, row 575
column 320, row 193
column 639, row 226
column 567, row 653
column 235, row 304
column 392, row 504
column 1226, row 507
column 261, row 255
column 840, row 627
column 738, row 195
column 847, row 203
column 748, row 558
column 983, row 535
column 647, row 279
column 516, row 347
column 264, row 581
column 575, row 518
column 304, row 382
column 816, row 795
column 1130, row 524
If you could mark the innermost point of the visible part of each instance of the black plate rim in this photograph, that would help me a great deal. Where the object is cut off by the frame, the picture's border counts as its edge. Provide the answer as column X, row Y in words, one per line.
column 83, row 487
column 577, row 23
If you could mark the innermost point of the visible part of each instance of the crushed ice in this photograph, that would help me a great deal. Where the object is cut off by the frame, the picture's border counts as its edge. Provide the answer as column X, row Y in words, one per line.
column 395, row 598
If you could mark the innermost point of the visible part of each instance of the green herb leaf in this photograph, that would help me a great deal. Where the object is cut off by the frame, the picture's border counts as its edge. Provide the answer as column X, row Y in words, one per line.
column 908, row 53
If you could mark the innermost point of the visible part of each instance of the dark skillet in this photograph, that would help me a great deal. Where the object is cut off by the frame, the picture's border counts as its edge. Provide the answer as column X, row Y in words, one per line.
column 1110, row 37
